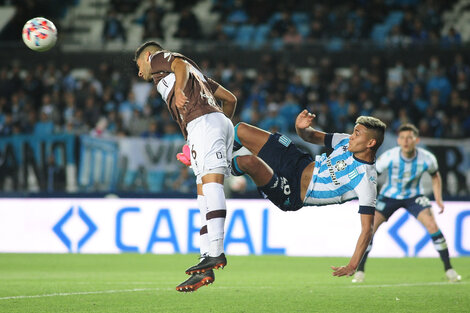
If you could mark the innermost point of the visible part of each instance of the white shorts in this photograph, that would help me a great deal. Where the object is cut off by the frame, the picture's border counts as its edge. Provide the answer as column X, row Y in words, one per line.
column 210, row 140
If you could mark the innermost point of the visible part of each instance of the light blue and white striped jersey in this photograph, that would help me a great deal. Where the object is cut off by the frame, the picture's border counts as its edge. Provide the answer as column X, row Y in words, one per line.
column 404, row 176
column 340, row 177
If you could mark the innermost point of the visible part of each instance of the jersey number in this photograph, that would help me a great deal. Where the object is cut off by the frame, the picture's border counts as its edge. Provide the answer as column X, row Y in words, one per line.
column 285, row 186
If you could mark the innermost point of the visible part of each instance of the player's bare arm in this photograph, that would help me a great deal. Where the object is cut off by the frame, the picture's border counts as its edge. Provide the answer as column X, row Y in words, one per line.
column 437, row 190
column 367, row 223
column 303, row 127
column 181, row 70
column 229, row 101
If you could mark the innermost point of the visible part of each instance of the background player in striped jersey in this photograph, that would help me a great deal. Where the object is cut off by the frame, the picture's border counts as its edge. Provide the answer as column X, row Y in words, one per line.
column 191, row 99
column 291, row 179
column 405, row 166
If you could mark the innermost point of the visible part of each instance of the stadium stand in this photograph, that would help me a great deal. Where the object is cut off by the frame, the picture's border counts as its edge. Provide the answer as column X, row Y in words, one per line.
column 107, row 100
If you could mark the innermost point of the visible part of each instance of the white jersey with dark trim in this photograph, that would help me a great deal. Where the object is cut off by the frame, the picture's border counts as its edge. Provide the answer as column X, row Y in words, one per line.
column 404, row 176
column 340, row 177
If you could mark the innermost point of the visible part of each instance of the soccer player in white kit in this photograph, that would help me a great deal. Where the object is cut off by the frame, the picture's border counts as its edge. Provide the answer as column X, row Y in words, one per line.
column 405, row 166
column 191, row 99
column 291, row 179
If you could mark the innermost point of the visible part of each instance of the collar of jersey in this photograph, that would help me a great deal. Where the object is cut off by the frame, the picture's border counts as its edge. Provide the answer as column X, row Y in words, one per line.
column 409, row 160
column 362, row 161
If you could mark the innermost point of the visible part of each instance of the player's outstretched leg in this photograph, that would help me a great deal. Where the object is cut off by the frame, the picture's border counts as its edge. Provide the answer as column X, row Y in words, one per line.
column 250, row 137
column 237, row 144
column 196, row 281
column 254, row 166
column 215, row 217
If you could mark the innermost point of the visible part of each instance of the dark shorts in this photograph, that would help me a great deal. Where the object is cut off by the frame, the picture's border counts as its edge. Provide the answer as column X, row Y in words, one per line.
column 288, row 162
column 388, row 206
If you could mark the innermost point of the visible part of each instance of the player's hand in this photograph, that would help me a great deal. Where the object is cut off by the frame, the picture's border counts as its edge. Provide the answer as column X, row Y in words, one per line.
column 180, row 99
column 347, row 270
column 440, row 204
column 185, row 156
column 304, row 120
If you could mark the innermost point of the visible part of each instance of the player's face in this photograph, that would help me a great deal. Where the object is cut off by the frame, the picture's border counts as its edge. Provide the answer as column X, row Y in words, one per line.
column 360, row 139
column 407, row 141
column 144, row 67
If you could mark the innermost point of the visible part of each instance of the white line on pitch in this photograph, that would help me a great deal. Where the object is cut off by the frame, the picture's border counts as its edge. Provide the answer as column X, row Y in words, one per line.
column 84, row 293
column 117, row 283
column 409, row 285
column 61, row 294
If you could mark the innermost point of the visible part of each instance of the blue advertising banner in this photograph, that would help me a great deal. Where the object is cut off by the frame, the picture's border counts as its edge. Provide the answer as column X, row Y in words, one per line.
column 167, row 226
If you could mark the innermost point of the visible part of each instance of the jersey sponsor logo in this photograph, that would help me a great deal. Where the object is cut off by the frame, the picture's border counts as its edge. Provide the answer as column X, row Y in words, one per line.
column 71, row 213
column 340, row 165
column 332, row 171
column 373, row 179
column 394, row 232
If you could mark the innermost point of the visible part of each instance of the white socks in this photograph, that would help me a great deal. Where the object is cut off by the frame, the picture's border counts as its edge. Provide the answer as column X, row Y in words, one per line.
column 216, row 212
column 203, row 237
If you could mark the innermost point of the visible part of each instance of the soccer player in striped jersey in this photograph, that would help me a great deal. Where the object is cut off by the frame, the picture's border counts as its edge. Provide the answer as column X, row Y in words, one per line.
column 405, row 166
column 291, row 179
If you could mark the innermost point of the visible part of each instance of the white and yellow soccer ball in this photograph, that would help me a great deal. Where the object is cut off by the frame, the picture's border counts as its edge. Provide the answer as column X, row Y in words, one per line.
column 39, row 34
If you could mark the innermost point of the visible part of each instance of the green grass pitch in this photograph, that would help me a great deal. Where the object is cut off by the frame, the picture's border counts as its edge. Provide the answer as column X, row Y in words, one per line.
column 146, row 283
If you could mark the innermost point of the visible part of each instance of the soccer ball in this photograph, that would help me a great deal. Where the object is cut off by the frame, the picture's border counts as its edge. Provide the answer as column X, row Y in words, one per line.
column 39, row 34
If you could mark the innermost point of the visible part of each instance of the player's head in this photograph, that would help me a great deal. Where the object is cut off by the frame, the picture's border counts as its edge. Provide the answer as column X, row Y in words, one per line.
column 142, row 55
column 368, row 134
column 408, row 138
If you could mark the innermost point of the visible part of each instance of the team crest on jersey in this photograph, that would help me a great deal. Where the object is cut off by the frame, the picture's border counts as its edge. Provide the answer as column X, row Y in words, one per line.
column 340, row 165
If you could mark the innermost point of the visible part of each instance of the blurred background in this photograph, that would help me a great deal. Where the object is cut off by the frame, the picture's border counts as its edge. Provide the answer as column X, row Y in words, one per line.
column 76, row 121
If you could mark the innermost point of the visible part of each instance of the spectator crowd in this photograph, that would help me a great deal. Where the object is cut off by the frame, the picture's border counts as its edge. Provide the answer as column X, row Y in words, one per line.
column 105, row 101
column 336, row 24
